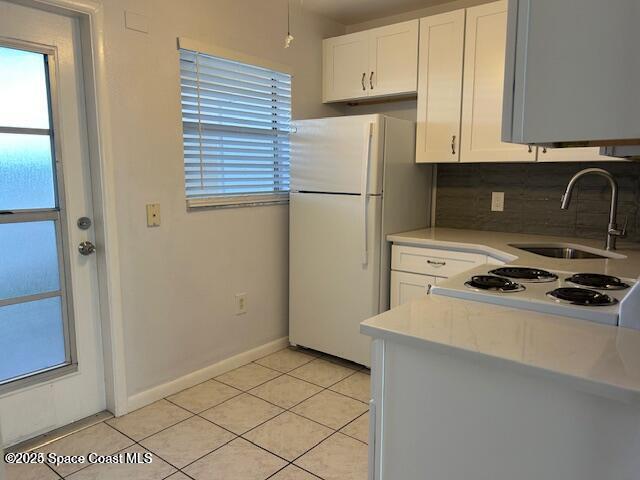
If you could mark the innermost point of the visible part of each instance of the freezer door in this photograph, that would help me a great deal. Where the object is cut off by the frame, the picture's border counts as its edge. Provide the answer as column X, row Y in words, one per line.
column 331, row 289
column 338, row 155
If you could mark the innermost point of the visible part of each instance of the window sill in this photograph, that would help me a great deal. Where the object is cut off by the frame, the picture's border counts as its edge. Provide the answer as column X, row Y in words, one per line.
column 235, row 201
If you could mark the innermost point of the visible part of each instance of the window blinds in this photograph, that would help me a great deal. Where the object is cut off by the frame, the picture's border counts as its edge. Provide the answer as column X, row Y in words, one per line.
column 236, row 121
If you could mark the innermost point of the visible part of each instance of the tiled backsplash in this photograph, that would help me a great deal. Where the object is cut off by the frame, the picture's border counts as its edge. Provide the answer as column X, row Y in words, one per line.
column 532, row 198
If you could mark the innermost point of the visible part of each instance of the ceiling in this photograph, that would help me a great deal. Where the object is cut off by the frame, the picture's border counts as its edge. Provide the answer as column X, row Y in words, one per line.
column 349, row 12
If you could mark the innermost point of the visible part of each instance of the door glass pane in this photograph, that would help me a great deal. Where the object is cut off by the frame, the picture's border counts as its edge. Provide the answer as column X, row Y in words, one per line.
column 26, row 172
column 23, row 89
column 31, row 337
column 29, row 263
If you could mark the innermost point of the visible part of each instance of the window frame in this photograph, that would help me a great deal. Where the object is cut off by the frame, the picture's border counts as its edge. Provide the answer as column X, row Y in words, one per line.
column 234, row 200
column 57, row 214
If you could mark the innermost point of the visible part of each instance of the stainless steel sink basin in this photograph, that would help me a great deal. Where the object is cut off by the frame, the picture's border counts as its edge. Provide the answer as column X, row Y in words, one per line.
column 567, row 251
column 561, row 252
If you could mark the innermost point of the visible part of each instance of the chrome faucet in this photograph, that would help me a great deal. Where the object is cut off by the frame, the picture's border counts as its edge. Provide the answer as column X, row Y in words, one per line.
column 613, row 232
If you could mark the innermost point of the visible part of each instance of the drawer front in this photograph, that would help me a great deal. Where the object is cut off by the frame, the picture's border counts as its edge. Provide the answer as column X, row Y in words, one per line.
column 431, row 261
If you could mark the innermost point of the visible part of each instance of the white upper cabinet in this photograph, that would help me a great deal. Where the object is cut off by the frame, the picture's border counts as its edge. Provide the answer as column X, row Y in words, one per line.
column 484, row 61
column 461, row 80
column 345, row 66
column 393, row 59
column 440, row 87
column 374, row 63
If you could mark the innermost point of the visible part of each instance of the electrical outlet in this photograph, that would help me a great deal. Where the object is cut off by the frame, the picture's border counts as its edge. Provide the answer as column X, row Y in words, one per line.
column 497, row 201
column 153, row 215
column 241, row 303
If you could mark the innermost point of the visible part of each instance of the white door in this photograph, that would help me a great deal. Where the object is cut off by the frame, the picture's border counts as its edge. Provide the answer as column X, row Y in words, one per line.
column 440, row 88
column 406, row 287
column 331, row 154
column 331, row 289
column 51, row 372
column 484, row 61
column 393, row 59
column 345, row 67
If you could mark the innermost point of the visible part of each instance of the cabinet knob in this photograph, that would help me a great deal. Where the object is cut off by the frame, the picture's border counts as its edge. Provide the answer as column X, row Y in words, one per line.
column 530, row 148
column 371, row 80
column 364, row 75
column 453, row 144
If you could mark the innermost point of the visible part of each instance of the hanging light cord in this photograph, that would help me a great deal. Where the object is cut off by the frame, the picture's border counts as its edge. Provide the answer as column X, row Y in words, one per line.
column 289, row 37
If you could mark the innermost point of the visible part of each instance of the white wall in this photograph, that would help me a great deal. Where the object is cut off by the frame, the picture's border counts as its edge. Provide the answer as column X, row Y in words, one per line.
column 179, row 280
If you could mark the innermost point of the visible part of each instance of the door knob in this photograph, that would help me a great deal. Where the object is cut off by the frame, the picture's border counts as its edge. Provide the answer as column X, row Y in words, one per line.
column 86, row 248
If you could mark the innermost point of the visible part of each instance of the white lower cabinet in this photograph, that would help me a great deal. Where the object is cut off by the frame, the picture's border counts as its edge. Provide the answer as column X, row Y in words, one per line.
column 406, row 287
column 413, row 269
column 456, row 416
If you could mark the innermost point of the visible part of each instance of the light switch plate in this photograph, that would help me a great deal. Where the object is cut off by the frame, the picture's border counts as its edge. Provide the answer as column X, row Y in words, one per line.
column 497, row 201
column 153, row 215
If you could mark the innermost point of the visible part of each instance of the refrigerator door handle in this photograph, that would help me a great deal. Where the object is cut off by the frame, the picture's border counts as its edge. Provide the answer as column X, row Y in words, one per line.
column 364, row 190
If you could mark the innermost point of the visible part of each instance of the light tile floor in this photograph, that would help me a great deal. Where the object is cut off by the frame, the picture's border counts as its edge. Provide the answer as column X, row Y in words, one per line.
column 292, row 415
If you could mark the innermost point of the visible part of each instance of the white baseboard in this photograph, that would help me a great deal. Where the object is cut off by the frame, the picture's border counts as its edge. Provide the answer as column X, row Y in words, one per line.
column 151, row 395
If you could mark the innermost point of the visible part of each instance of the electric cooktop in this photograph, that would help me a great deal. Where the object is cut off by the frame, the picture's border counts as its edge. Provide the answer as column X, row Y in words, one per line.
column 584, row 295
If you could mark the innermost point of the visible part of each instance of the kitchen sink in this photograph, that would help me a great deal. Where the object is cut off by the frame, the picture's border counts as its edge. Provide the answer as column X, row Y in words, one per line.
column 566, row 251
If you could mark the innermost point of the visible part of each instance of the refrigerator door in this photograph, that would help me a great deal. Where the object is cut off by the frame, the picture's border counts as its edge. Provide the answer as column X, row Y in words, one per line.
column 331, row 289
column 331, row 155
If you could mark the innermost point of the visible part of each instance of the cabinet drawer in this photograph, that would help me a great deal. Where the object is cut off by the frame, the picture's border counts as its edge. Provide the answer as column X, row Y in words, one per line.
column 431, row 261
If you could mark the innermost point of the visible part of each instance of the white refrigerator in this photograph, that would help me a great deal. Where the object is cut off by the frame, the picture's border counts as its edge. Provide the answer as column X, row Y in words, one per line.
column 353, row 181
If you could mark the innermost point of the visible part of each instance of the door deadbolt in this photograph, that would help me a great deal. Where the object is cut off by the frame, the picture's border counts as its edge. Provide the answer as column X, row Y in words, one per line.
column 84, row 223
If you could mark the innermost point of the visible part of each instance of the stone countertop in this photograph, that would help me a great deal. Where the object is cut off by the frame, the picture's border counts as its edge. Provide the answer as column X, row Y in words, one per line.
column 601, row 359
column 498, row 245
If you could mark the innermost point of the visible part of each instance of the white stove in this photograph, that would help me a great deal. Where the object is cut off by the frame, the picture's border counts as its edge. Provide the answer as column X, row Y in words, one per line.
column 586, row 296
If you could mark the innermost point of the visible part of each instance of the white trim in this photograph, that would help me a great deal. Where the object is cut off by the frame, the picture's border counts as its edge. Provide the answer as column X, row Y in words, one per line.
column 213, row 50
column 91, row 15
column 151, row 395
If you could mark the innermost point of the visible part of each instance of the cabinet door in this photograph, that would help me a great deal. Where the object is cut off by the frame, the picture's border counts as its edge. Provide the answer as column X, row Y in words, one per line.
column 440, row 87
column 484, row 60
column 409, row 286
column 393, row 59
column 346, row 67
column 586, row 154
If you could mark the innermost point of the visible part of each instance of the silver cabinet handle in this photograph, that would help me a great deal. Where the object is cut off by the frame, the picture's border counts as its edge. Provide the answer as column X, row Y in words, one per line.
column 371, row 80
column 453, row 144
column 433, row 262
column 364, row 75
column 86, row 248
